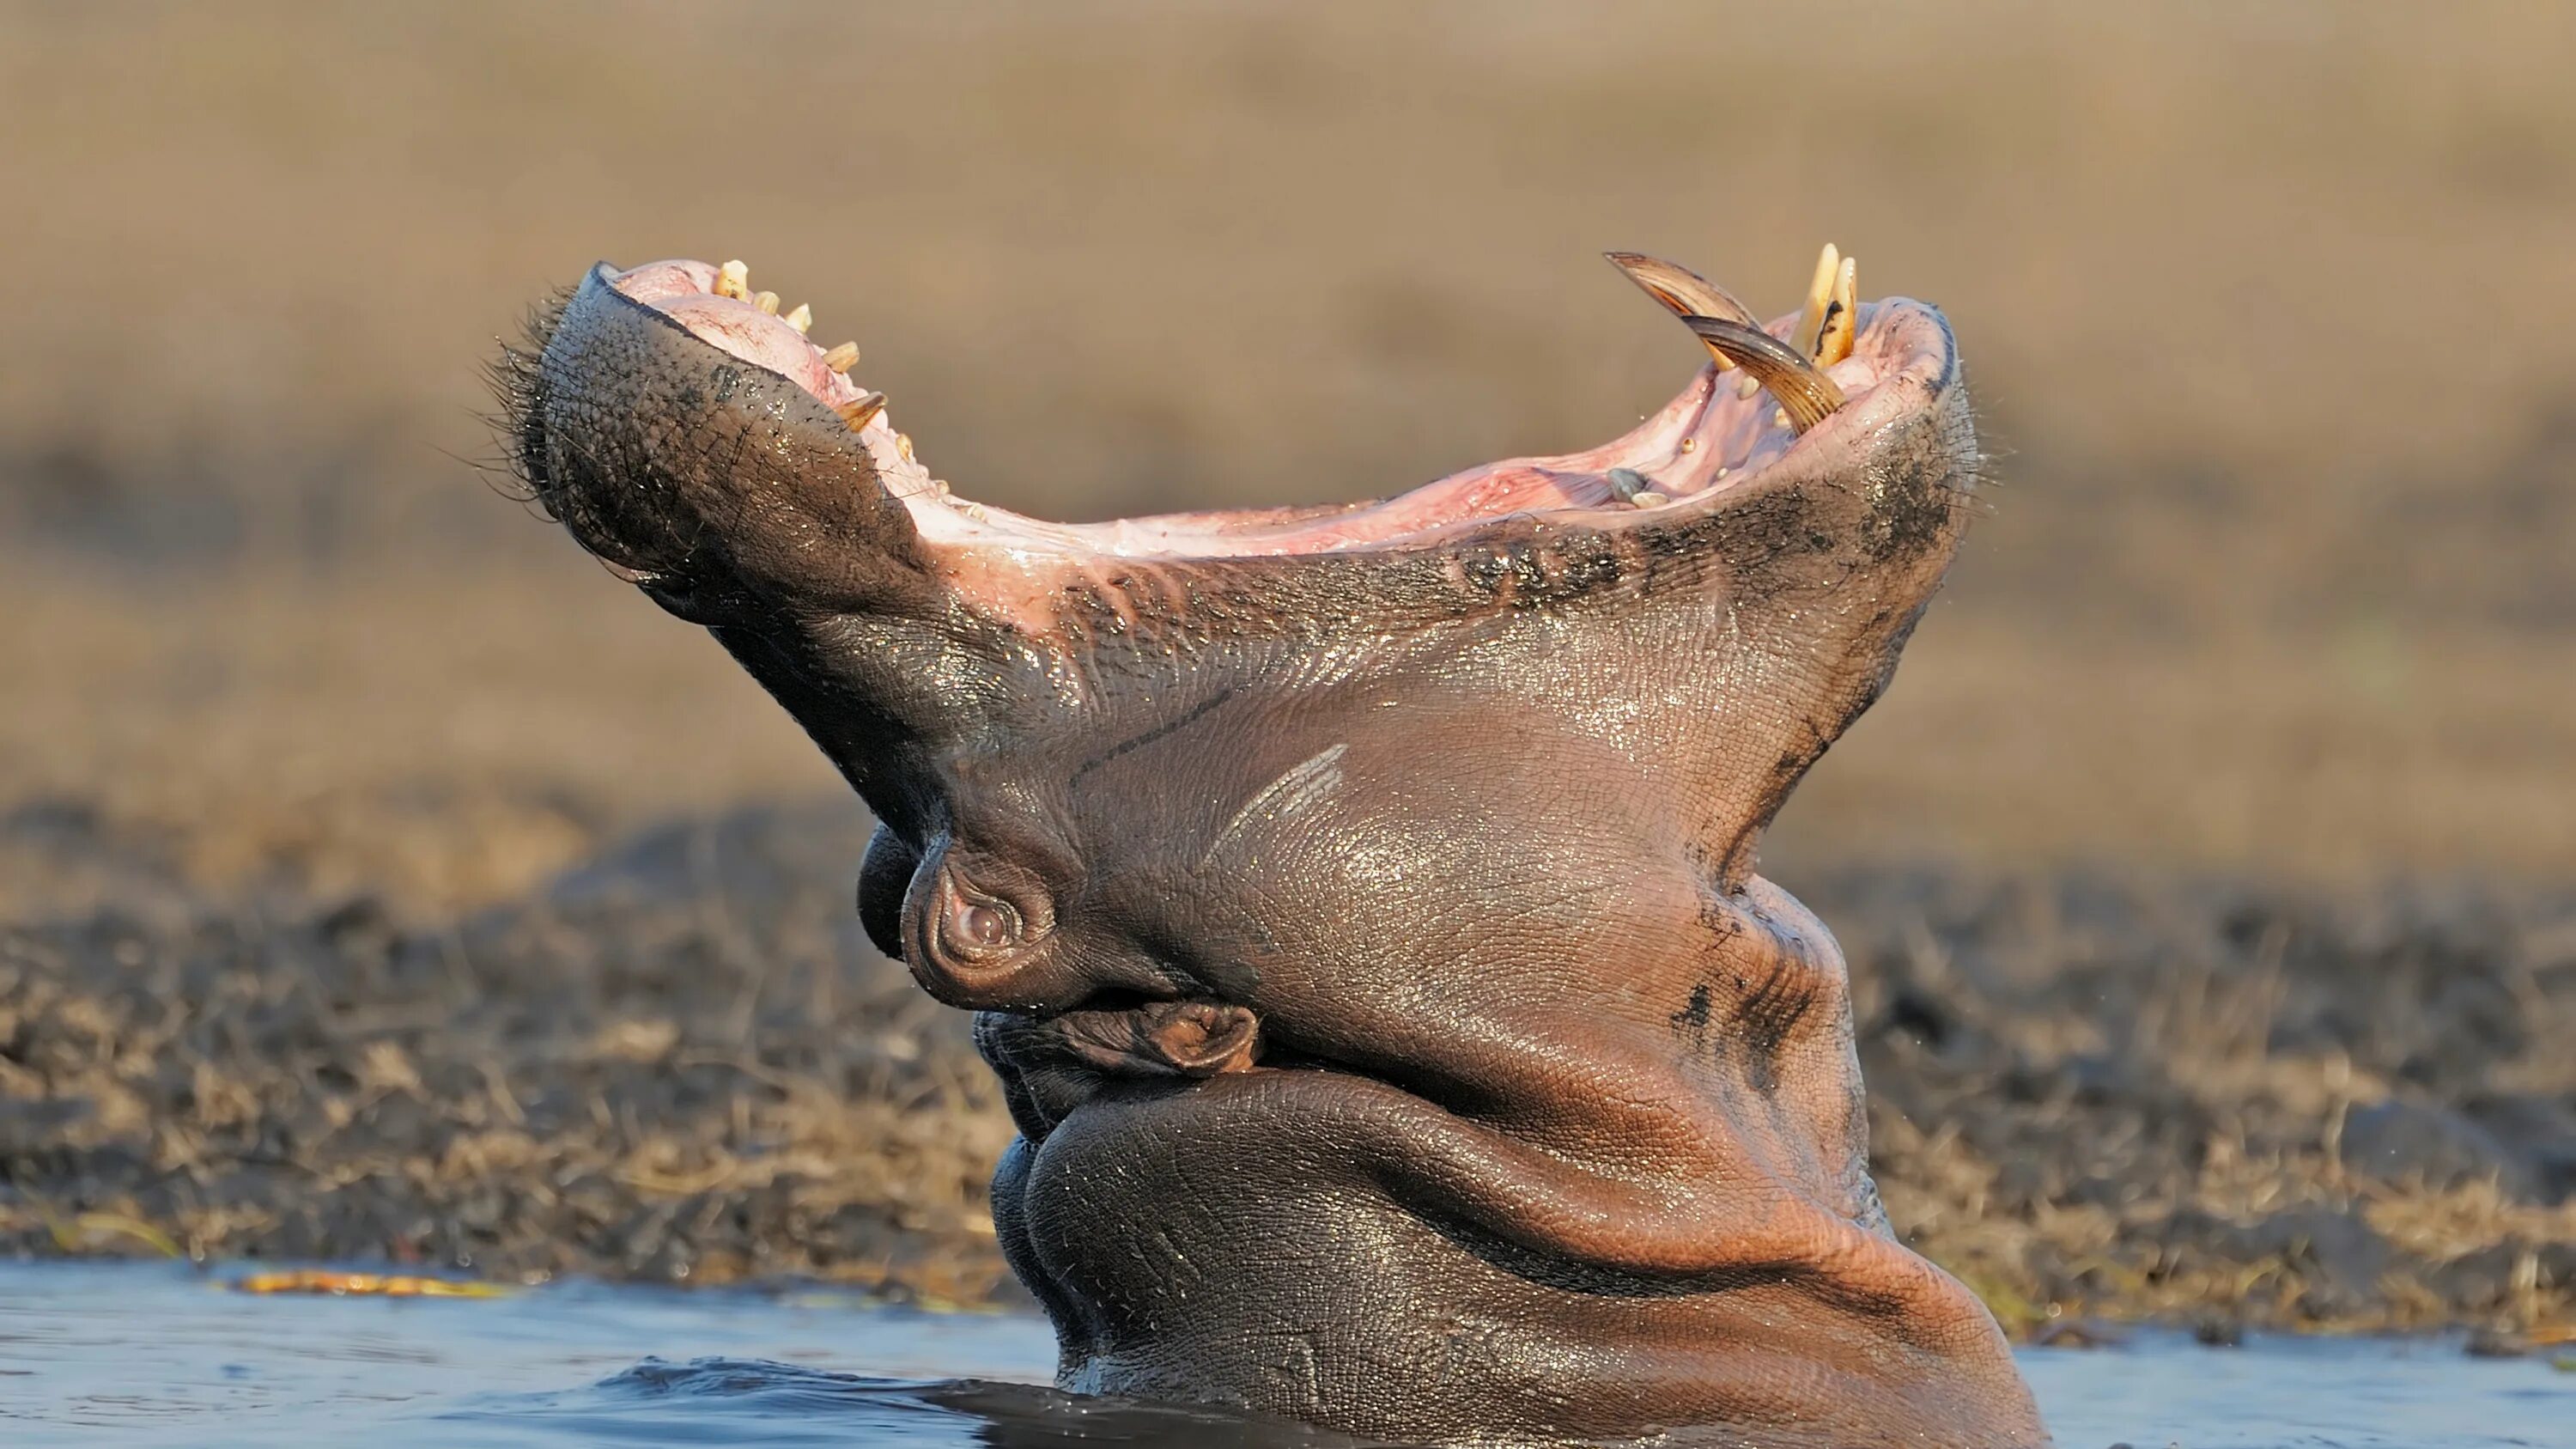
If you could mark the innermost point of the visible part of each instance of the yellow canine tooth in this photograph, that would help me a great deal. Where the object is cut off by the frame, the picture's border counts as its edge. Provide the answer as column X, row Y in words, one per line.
column 802, row 319
column 1820, row 292
column 861, row 410
column 843, row 357
column 766, row 302
column 733, row 279
column 1842, row 314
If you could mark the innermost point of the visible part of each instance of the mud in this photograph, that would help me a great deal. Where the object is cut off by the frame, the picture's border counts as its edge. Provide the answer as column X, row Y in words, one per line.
column 2095, row 1098
column 678, row 1062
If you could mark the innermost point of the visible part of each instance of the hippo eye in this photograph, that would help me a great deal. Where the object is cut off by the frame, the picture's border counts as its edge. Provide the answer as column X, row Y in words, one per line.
column 975, row 925
column 978, row 913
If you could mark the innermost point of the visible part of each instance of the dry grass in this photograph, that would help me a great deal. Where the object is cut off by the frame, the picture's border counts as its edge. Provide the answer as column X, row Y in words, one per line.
column 682, row 1066
column 2092, row 1098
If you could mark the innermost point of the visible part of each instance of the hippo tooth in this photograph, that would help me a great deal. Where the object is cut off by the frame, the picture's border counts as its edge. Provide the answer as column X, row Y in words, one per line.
column 1650, row 499
column 1820, row 292
column 903, row 445
column 1683, row 292
column 733, row 279
column 1805, row 395
column 1834, row 343
column 843, row 357
column 802, row 319
column 861, row 410
column 766, row 302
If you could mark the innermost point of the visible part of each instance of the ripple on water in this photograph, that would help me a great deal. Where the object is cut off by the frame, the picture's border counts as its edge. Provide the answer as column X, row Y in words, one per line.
column 114, row 1355
column 732, row 1400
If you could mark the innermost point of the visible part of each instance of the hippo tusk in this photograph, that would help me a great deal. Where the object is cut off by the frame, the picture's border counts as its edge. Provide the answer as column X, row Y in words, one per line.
column 1842, row 313
column 1683, row 292
column 1820, row 296
column 1796, row 383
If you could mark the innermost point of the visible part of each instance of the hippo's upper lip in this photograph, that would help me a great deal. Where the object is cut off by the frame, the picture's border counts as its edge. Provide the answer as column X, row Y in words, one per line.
column 1707, row 443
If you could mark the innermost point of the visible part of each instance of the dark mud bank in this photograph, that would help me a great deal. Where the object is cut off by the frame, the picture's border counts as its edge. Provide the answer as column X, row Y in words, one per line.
column 2203, row 1101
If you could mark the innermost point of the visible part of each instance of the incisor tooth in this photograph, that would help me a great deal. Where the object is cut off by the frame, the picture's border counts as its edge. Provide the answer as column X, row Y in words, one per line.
column 802, row 319
column 766, row 302
column 1811, row 318
column 843, row 357
column 903, row 445
column 1802, row 393
column 1841, row 314
column 733, row 279
column 861, row 410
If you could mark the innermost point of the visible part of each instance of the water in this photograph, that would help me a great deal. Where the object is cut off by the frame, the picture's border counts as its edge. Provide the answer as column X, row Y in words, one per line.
column 119, row 1355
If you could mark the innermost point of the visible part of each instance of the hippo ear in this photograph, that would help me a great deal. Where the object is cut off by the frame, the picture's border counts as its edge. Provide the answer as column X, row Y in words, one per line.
column 885, row 873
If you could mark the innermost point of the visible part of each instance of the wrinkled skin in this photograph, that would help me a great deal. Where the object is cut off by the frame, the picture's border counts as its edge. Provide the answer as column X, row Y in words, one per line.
column 1365, row 935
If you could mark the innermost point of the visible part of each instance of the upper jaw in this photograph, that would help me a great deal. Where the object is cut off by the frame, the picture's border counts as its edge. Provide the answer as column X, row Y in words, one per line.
column 1713, row 440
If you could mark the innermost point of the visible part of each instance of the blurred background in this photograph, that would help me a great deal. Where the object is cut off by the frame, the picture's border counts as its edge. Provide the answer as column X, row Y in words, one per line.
column 2267, row 307
column 2264, row 304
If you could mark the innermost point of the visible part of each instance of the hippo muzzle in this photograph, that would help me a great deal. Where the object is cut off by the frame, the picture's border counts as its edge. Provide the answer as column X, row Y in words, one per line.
column 1358, row 900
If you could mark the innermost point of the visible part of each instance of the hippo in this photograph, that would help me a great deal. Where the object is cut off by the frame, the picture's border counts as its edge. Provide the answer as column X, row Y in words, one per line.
column 1357, row 900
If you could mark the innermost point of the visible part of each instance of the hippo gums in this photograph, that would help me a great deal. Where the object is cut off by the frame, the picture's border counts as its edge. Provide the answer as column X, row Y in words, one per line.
column 1357, row 901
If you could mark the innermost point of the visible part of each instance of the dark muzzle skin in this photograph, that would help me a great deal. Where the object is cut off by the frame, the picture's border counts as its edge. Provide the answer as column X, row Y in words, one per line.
column 1360, row 913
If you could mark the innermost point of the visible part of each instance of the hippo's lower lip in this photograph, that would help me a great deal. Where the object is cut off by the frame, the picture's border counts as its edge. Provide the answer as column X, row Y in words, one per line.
column 1712, row 440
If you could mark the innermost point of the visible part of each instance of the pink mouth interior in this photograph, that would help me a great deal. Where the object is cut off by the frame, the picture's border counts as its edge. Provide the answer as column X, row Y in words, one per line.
column 1706, row 441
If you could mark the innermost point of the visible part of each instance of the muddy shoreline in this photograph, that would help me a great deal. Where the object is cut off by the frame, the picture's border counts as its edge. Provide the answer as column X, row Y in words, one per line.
column 2095, row 1099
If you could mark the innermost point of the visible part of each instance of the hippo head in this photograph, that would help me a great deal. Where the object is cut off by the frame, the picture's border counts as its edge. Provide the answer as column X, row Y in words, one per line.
column 1357, row 899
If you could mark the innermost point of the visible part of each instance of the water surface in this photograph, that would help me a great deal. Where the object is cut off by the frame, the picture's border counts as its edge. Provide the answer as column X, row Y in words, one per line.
column 158, row 1355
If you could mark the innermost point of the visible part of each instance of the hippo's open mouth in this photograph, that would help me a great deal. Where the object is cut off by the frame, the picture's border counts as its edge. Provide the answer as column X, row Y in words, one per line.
column 1765, row 392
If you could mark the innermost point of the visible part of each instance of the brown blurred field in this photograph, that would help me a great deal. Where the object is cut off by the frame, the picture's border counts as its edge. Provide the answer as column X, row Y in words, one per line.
column 2267, row 303
column 2269, row 307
